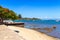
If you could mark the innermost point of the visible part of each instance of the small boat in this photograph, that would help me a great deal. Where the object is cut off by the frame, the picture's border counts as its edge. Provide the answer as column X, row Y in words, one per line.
column 10, row 22
column 14, row 23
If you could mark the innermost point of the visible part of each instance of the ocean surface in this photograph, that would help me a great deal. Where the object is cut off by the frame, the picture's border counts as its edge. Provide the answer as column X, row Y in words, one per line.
column 43, row 24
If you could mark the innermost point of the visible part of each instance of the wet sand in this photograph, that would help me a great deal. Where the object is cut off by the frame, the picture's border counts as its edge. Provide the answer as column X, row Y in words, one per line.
column 28, row 34
column 9, row 33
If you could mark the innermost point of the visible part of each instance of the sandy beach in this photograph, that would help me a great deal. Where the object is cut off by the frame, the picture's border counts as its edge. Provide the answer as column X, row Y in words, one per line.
column 29, row 34
column 8, row 33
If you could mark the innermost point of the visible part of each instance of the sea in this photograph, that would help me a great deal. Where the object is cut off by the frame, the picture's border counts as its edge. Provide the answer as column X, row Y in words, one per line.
column 43, row 24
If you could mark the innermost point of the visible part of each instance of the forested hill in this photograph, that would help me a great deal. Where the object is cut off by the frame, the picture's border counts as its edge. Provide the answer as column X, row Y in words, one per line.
column 5, row 13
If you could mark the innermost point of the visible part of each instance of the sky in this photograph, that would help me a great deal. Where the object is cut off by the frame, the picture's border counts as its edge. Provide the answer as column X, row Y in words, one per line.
column 43, row 9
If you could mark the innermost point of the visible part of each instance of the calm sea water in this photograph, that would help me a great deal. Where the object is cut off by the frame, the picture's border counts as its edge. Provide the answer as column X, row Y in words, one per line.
column 43, row 24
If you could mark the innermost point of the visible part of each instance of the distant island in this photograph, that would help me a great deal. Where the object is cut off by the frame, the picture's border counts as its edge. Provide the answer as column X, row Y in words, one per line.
column 7, row 14
column 30, row 18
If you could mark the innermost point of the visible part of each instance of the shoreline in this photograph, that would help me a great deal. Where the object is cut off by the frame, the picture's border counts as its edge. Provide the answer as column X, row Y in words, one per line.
column 25, row 34
column 33, row 31
column 45, row 33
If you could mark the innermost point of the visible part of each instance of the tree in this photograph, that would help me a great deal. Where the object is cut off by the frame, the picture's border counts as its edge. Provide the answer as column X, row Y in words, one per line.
column 19, row 16
column 7, row 14
column 1, row 7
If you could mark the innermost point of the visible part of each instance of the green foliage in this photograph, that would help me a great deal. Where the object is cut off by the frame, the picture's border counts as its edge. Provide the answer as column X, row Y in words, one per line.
column 7, row 14
column 0, row 6
column 19, row 16
column 30, row 18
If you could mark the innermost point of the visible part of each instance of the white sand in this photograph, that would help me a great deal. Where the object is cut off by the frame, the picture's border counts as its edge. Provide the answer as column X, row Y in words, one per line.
column 28, row 34
column 7, row 34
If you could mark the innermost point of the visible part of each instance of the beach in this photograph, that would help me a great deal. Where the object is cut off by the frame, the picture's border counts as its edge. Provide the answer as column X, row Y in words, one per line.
column 7, row 34
column 22, row 34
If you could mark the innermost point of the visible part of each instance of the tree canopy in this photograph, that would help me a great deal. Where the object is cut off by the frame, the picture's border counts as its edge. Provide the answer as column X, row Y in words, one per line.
column 19, row 16
column 7, row 14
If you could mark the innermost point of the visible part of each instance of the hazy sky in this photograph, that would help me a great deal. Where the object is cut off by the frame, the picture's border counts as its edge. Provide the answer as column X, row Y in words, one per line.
column 34, row 8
